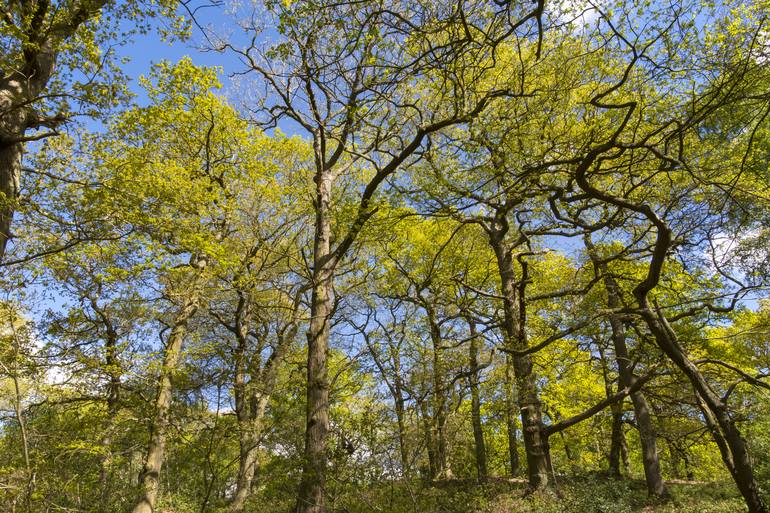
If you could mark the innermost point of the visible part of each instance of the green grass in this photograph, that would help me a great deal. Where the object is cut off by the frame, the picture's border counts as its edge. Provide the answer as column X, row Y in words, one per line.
column 574, row 495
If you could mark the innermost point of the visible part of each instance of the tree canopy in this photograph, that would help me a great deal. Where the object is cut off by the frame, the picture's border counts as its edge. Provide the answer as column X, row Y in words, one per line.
column 467, row 256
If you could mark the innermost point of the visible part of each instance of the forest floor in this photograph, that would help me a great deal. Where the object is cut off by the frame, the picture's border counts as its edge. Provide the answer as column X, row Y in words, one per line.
column 573, row 495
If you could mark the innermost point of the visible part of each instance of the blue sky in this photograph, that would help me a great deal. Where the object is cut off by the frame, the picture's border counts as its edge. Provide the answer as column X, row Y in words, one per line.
column 148, row 49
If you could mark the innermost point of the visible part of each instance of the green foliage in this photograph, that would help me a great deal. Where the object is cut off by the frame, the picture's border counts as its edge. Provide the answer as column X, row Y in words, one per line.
column 466, row 142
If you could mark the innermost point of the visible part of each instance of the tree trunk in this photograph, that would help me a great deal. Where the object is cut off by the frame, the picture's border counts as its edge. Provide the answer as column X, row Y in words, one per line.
column 616, row 440
column 571, row 456
column 247, row 455
column 676, row 467
column 10, row 172
column 396, row 389
column 510, row 416
column 716, row 433
column 439, row 397
column 400, row 414
column 648, row 439
column 18, row 90
column 113, row 407
column 311, row 489
column 249, row 419
column 430, row 446
column 150, row 478
column 535, row 445
column 13, row 373
column 478, row 430
column 617, row 437
column 736, row 457
column 12, row 128
column 251, row 398
column 624, row 455
column 250, row 431
column 400, row 403
column 647, row 435
column 736, row 452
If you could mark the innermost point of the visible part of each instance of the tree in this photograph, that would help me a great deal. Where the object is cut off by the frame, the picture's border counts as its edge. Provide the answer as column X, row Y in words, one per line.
column 356, row 100
column 647, row 434
column 56, row 58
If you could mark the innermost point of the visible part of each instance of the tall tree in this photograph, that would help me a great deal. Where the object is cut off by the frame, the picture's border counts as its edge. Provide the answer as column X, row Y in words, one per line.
column 357, row 100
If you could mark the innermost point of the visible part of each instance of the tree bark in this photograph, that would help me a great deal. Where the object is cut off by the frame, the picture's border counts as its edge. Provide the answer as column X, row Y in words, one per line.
column 535, row 443
column 624, row 456
column 21, row 89
column 113, row 404
column 676, row 459
column 616, row 441
column 396, row 388
column 430, row 446
column 439, row 396
column 400, row 403
column 249, row 430
column 248, row 412
column 617, row 437
column 648, row 437
column 10, row 172
column 510, row 415
column 311, row 490
column 247, row 454
column 15, row 91
column 736, row 455
column 478, row 429
column 150, row 477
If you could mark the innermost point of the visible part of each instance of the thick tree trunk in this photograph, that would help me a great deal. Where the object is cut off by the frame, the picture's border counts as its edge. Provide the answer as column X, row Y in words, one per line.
column 10, row 172
column 535, row 443
column 18, row 91
column 648, row 437
column 478, row 429
column 510, row 416
column 616, row 440
column 430, row 445
column 12, row 127
column 150, row 478
column 439, row 398
column 311, row 490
